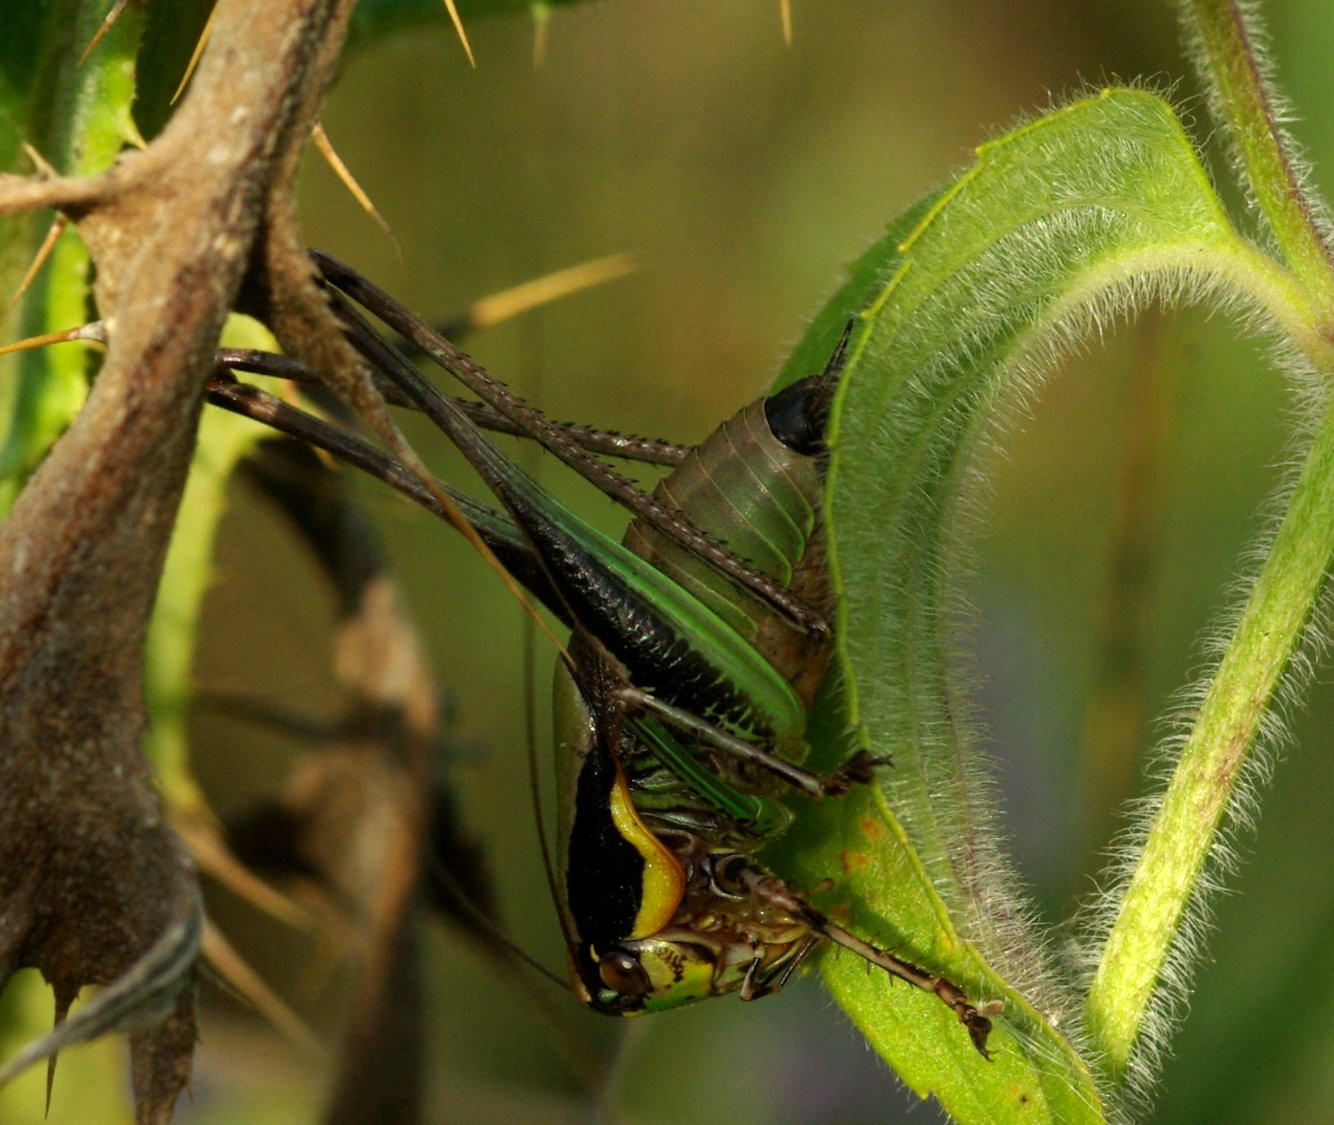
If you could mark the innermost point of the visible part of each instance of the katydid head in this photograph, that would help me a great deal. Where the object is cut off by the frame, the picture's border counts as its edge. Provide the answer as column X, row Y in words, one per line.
column 726, row 947
column 642, row 975
column 653, row 914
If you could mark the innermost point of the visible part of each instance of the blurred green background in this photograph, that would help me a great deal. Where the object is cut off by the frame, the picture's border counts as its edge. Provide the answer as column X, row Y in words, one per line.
column 742, row 173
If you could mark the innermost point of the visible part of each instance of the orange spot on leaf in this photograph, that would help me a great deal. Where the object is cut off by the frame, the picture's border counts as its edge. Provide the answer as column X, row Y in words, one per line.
column 853, row 861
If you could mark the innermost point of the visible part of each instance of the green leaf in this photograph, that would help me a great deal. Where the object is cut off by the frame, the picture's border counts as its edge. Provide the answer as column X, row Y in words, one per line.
column 224, row 440
column 1071, row 220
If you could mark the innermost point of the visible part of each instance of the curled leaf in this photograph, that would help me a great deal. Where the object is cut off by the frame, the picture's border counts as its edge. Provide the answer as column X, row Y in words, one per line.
column 1069, row 221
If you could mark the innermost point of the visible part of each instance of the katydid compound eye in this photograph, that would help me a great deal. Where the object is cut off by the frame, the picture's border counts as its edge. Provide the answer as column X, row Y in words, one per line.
column 621, row 971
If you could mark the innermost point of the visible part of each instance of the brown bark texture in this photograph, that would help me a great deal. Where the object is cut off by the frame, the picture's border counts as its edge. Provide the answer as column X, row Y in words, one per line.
column 95, row 886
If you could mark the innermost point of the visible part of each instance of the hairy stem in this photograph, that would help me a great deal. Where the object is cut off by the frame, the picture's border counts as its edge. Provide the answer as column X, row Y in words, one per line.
column 1234, row 71
column 1134, row 967
column 1183, row 833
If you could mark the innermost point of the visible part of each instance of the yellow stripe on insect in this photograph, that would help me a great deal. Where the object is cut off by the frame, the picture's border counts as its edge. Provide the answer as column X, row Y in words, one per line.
column 664, row 882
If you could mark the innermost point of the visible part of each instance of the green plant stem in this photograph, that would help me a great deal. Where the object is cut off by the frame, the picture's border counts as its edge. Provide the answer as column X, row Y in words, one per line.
column 1186, row 828
column 1243, row 100
column 1242, row 692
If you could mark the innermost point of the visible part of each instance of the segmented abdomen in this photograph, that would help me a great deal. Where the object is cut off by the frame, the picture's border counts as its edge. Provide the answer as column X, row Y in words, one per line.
column 760, row 498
